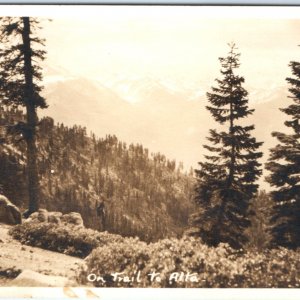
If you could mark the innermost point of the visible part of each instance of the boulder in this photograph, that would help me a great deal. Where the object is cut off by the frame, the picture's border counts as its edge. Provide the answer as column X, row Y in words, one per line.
column 54, row 217
column 72, row 218
column 29, row 278
column 32, row 218
column 57, row 214
column 9, row 213
column 42, row 215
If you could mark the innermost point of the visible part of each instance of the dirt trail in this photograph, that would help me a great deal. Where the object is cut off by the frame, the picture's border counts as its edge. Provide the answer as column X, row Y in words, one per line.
column 17, row 256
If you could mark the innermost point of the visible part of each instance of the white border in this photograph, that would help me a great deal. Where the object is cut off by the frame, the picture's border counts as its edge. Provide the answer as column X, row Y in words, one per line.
column 212, row 12
column 176, row 2
column 54, row 11
column 150, row 293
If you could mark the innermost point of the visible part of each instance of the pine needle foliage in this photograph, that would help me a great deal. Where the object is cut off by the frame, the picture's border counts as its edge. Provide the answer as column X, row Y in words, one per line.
column 226, row 180
column 284, row 165
column 21, row 53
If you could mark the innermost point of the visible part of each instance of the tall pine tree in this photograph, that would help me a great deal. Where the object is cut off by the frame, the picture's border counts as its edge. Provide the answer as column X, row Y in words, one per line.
column 284, row 165
column 21, row 52
column 226, row 181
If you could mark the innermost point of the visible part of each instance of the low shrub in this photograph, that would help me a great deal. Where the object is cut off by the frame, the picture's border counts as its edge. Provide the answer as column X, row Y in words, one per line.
column 68, row 239
column 129, row 257
column 188, row 263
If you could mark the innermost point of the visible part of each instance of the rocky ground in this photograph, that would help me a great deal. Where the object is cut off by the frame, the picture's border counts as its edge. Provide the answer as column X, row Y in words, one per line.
column 15, row 258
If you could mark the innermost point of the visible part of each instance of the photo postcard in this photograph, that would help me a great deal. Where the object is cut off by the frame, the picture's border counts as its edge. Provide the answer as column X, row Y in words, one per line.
column 149, row 147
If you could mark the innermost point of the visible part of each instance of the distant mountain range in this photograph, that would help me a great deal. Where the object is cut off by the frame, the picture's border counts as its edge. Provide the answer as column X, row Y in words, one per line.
column 164, row 116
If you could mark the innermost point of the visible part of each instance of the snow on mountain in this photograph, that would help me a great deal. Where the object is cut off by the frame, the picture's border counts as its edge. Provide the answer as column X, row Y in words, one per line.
column 164, row 115
column 268, row 94
column 135, row 89
column 84, row 102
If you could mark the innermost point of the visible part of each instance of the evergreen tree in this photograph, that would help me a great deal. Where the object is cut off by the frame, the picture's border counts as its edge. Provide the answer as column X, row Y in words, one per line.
column 226, row 181
column 259, row 233
column 284, row 165
column 20, row 75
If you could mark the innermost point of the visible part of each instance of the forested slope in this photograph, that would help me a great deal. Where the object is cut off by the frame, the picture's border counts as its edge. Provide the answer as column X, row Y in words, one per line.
column 145, row 194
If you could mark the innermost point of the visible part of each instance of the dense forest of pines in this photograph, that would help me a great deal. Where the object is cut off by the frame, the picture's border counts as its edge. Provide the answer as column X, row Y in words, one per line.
column 145, row 194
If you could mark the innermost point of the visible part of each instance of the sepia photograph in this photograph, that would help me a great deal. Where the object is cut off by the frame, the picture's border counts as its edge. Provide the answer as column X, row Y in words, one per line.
column 149, row 147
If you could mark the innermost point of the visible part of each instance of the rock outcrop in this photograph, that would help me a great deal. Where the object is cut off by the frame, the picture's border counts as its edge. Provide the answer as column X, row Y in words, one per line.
column 9, row 213
column 72, row 218
column 42, row 215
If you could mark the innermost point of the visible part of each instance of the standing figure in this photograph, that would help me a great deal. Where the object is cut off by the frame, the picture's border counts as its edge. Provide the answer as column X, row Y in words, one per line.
column 100, row 210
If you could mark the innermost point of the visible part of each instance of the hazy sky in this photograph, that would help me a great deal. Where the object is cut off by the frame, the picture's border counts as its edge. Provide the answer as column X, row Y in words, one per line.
column 183, row 43
column 180, row 44
column 174, row 42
